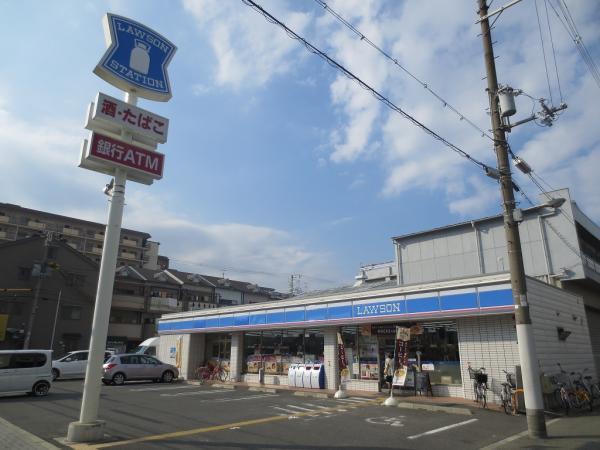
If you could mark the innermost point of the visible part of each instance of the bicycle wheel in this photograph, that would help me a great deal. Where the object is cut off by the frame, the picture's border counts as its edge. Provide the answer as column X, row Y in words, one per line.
column 573, row 400
column 505, row 396
column 481, row 396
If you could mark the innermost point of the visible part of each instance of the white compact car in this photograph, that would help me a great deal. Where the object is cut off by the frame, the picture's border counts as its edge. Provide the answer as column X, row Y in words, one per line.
column 73, row 364
column 25, row 372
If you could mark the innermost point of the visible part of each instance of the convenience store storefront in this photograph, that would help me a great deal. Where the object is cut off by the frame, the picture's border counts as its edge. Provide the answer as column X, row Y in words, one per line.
column 452, row 324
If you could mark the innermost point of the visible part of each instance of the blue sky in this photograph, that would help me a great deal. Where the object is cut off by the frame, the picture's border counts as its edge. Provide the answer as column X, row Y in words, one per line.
column 276, row 164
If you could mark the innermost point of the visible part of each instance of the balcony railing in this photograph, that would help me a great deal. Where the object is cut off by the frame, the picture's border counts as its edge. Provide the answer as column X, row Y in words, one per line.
column 129, row 242
column 161, row 304
column 97, row 250
column 4, row 219
column 36, row 225
column 70, row 231
column 128, row 255
column 128, row 301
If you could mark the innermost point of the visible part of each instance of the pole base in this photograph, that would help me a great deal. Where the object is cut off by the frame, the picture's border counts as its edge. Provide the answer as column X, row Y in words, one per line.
column 536, row 424
column 340, row 393
column 391, row 401
column 86, row 432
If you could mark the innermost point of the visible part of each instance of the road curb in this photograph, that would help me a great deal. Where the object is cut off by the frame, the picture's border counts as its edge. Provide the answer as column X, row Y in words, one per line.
column 436, row 408
column 312, row 394
column 224, row 386
column 264, row 389
column 18, row 438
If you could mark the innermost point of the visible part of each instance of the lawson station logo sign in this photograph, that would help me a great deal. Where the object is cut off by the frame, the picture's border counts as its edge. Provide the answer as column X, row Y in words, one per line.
column 136, row 59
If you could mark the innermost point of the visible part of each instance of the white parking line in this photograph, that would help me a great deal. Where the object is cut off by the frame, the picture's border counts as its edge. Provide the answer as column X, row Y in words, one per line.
column 182, row 394
column 166, row 388
column 300, row 408
column 438, row 430
column 352, row 400
column 289, row 411
column 251, row 397
column 316, row 406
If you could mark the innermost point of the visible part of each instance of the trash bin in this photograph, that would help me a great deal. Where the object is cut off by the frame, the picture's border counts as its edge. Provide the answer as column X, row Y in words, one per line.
column 306, row 374
column 317, row 377
column 292, row 375
column 300, row 375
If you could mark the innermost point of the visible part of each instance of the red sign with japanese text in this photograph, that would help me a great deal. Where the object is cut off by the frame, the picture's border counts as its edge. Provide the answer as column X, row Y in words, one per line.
column 132, row 157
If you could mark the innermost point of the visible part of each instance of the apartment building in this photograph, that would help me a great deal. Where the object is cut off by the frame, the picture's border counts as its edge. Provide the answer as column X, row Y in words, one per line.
column 135, row 249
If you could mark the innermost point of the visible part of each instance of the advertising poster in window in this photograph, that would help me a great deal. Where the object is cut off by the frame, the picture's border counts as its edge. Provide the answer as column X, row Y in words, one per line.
column 344, row 372
column 369, row 366
column 401, row 360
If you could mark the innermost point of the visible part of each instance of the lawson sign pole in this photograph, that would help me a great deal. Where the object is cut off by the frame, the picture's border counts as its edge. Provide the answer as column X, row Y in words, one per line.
column 122, row 144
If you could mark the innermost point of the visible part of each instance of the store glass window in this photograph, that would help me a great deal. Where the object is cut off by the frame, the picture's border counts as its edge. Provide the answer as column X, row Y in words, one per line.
column 437, row 343
column 218, row 351
column 350, row 339
column 314, row 346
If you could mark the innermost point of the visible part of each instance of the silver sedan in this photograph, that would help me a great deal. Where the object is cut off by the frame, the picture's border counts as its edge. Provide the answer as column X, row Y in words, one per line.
column 126, row 367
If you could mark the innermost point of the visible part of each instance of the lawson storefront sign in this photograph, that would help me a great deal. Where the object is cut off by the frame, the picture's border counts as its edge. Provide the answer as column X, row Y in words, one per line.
column 136, row 58
column 473, row 301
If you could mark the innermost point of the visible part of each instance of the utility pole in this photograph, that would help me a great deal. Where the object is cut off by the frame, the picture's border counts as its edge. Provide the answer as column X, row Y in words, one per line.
column 36, row 296
column 534, row 404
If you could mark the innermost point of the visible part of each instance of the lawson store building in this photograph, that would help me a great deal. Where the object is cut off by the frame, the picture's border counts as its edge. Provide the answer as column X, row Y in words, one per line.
column 453, row 323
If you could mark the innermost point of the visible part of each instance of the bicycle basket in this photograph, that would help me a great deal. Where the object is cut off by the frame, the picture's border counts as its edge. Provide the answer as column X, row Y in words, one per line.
column 481, row 377
column 511, row 379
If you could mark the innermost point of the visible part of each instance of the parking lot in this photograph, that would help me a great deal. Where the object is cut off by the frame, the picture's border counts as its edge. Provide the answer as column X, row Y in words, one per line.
column 181, row 416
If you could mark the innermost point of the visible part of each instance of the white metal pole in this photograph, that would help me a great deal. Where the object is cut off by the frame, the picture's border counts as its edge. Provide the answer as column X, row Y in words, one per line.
column 91, row 388
column 55, row 320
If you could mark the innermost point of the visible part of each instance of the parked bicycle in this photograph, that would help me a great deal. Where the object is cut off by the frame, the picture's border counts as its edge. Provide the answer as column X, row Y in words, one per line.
column 212, row 372
column 480, row 386
column 593, row 388
column 572, row 394
column 509, row 394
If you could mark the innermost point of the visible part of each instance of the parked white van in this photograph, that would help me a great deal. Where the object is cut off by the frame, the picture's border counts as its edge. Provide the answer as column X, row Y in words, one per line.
column 25, row 372
column 148, row 347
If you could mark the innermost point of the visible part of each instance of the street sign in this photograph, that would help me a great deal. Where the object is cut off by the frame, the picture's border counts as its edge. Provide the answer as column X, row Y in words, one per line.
column 136, row 59
column 104, row 154
column 111, row 115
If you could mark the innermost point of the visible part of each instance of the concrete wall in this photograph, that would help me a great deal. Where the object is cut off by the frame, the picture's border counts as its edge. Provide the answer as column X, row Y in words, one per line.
column 552, row 308
column 470, row 249
column 489, row 342
column 192, row 352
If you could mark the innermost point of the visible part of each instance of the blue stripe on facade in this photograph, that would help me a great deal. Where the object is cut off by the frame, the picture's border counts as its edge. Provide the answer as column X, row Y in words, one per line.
column 294, row 316
column 226, row 321
column 458, row 301
column 501, row 297
column 258, row 319
column 241, row 320
column 446, row 302
column 417, row 305
column 339, row 312
column 212, row 322
column 277, row 317
column 199, row 323
column 316, row 314
column 380, row 309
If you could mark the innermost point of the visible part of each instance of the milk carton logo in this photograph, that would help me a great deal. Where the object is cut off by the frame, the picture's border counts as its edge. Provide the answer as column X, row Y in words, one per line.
column 136, row 59
column 140, row 57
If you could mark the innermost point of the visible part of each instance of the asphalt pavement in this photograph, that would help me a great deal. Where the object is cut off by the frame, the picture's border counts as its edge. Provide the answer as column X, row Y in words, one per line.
column 182, row 416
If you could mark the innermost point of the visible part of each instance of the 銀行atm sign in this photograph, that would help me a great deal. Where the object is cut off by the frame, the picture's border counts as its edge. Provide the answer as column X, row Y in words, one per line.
column 106, row 149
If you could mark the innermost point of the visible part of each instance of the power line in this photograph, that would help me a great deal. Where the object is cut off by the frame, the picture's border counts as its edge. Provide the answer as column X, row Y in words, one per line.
column 395, row 61
column 553, row 50
column 386, row 101
column 569, row 24
column 543, row 51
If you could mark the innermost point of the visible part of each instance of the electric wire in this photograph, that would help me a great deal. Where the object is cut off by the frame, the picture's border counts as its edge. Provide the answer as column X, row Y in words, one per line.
column 553, row 50
column 543, row 51
column 395, row 61
column 312, row 49
column 565, row 18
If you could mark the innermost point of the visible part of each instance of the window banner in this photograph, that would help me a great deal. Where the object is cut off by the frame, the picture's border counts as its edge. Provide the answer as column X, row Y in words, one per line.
column 344, row 372
column 401, row 359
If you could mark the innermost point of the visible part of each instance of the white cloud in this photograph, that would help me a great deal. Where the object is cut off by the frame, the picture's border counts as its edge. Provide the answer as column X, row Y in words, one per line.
column 438, row 42
column 249, row 50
